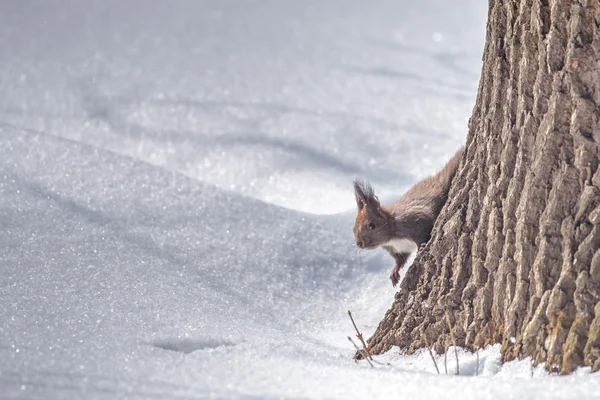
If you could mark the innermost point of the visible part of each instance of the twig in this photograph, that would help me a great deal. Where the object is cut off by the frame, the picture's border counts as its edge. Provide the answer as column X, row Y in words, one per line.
column 358, row 349
column 353, row 344
column 360, row 337
column 446, row 362
column 430, row 353
column 453, row 341
column 532, row 368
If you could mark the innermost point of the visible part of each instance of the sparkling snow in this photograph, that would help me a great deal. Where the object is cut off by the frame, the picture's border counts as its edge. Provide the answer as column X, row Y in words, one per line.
column 176, row 205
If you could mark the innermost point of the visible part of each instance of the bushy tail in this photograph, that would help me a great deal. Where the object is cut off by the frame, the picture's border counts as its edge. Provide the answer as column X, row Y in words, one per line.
column 447, row 173
column 431, row 193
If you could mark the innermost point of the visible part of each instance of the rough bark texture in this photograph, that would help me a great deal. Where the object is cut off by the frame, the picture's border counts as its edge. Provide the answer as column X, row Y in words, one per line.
column 515, row 254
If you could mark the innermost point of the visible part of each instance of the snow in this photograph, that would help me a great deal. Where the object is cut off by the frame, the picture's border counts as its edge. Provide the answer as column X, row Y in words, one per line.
column 175, row 196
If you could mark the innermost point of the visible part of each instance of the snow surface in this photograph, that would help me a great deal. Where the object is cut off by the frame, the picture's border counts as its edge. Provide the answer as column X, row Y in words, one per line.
column 176, row 205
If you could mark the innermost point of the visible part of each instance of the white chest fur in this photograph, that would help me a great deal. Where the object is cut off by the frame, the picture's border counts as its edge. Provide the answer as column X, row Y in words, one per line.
column 402, row 245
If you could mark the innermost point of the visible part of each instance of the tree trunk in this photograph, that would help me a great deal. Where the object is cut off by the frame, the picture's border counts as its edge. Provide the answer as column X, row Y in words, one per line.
column 514, row 257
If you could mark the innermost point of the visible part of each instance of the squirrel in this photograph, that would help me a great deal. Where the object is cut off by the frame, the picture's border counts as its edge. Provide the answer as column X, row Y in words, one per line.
column 406, row 225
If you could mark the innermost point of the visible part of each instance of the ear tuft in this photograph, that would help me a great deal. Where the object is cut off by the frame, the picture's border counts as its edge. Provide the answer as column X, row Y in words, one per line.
column 365, row 195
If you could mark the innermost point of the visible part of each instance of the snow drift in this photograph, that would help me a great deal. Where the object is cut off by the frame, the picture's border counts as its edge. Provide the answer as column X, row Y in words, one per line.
column 175, row 195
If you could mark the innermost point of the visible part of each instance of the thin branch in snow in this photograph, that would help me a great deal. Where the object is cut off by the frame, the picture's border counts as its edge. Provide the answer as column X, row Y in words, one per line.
column 453, row 341
column 446, row 361
column 360, row 337
column 353, row 344
column 430, row 353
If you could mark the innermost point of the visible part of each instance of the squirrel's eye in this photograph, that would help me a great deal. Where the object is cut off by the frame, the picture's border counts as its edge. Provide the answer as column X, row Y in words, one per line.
column 371, row 225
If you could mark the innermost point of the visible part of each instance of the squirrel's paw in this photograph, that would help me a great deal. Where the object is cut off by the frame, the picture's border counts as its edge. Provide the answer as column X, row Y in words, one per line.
column 395, row 275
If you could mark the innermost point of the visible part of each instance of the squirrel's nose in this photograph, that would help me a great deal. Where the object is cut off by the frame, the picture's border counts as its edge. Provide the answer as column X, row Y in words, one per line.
column 363, row 242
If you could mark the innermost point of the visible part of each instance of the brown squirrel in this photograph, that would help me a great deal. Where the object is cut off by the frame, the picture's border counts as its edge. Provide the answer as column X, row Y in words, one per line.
column 404, row 226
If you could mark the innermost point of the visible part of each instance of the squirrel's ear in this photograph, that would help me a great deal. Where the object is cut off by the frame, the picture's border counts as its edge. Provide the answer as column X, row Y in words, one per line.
column 365, row 196
column 359, row 193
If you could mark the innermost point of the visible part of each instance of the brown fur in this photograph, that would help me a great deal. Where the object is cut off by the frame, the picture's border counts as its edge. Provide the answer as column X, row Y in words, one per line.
column 411, row 217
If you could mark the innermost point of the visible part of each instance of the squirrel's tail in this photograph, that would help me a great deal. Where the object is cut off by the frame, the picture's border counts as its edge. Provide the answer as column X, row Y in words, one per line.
column 443, row 180
column 447, row 173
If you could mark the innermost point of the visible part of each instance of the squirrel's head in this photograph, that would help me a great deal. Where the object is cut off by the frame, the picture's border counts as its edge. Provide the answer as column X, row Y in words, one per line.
column 374, row 225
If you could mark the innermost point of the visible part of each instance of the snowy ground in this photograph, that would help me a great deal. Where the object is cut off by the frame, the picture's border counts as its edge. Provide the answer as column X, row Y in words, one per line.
column 175, row 195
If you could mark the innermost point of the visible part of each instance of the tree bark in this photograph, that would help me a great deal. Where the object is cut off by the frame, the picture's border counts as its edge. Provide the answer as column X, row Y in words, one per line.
column 514, row 256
